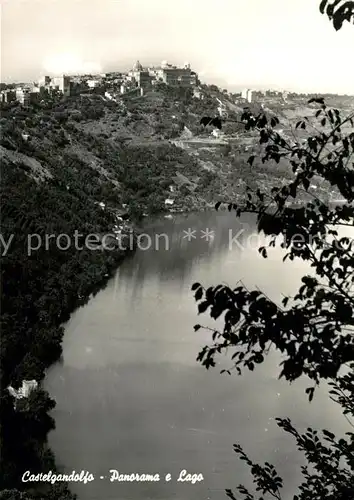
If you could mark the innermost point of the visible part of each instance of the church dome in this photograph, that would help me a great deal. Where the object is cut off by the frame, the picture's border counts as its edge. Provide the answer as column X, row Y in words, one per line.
column 137, row 66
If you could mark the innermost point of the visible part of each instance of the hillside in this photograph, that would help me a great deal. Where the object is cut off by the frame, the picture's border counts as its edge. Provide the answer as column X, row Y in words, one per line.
column 78, row 167
column 129, row 150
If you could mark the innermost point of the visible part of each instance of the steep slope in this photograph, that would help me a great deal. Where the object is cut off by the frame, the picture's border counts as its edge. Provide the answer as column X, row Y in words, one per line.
column 69, row 168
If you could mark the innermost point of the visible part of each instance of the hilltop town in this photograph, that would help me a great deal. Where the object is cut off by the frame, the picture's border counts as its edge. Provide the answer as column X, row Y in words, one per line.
column 134, row 82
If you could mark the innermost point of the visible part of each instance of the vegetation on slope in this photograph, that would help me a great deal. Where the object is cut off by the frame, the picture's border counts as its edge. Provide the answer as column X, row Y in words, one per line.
column 59, row 160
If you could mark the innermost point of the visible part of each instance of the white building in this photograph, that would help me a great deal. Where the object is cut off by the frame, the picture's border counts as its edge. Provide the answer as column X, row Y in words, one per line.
column 247, row 94
column 198, row 94
column 222, row 111
column 23, row 392
column 62, row 83
column 20, row 95
column 44, row 81
column 186, row 134
column 217, row 133
column 93, row 83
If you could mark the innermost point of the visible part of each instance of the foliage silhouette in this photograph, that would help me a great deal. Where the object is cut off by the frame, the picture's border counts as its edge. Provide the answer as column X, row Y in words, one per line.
column 338, row 11
column 314, row 330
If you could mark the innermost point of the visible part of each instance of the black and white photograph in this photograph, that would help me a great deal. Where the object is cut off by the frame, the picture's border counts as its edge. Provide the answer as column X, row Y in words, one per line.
column 177, row 250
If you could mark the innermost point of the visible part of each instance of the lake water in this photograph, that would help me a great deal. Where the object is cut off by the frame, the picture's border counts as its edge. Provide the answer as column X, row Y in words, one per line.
column 131, row 395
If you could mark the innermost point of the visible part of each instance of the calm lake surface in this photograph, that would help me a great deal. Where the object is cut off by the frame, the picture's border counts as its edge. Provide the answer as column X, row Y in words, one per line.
column 131, row 395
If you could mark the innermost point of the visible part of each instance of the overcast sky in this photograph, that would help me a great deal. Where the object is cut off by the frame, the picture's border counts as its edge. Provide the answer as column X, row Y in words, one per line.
column 285, row 44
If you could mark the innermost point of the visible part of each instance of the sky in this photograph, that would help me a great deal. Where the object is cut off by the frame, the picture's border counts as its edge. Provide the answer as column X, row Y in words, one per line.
column 280, row 44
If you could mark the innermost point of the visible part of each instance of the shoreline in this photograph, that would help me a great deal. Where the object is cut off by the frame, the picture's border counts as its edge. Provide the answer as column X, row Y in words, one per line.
column 95, row 286
column 54, row 326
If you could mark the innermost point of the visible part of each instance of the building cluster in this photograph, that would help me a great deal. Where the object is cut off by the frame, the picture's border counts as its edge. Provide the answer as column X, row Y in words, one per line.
column 138, row 79
column 147, row 77
column 32, row 93
column 23, row 94
column 256, row 95
column 283, row 94
column 61, row 84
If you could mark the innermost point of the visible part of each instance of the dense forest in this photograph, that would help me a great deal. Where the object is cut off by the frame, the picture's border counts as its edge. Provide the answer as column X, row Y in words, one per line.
column 38, row 293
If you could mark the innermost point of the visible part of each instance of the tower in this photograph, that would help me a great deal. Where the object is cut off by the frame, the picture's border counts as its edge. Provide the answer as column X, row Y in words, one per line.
column 137, row 66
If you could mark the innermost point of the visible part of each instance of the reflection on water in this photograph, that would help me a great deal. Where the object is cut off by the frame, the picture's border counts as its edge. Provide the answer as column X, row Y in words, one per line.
column 131, row 396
